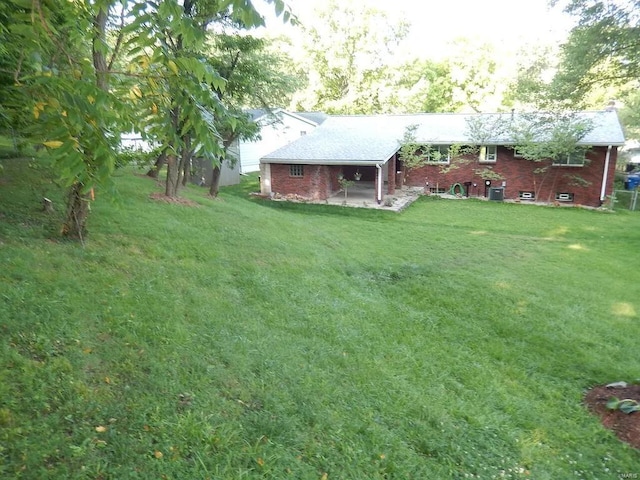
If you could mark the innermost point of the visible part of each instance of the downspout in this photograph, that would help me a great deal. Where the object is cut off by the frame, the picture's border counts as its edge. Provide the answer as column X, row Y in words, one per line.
column 379, row 183
column 605, row 174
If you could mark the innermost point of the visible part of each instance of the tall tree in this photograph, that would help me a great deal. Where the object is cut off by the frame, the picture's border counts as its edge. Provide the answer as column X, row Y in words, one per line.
column 474, row 74
column 421, row 85
column 347, row 49
column 13, row 108
column 630, row 114
column 255, row 78
column 599, row 60
column 62, row 74
column 602, row 47
column 175, row 79
column 64, row 67
column 529, row 90
column 180, row 84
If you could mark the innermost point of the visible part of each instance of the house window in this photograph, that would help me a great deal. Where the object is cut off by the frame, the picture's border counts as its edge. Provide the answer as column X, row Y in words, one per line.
column 522, row 195
column 564, row 197
column 575, row 159
column 296, row 170
column 488, row 154
column 438, row 154
column 517, row 153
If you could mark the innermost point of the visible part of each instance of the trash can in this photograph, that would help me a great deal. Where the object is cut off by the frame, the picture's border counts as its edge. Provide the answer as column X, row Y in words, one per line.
column 632, row 182
column 496, row 193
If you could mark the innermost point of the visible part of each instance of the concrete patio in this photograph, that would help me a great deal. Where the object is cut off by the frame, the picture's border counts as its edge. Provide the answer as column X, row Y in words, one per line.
column 363, row 195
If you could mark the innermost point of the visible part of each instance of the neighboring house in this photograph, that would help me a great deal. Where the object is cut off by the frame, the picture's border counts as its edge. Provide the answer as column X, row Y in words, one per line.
column 631, row 154
column 369, row 146
column 278, row 127
column 134, row 141
column 201, row 169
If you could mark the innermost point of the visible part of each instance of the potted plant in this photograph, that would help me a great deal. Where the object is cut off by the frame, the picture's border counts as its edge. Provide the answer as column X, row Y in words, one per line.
column 345, row 184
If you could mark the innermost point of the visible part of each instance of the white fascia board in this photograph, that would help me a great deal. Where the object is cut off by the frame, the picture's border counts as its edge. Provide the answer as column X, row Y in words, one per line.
column 297, row 161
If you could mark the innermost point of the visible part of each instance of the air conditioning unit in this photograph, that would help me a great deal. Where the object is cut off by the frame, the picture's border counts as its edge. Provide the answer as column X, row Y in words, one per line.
column 496, row 193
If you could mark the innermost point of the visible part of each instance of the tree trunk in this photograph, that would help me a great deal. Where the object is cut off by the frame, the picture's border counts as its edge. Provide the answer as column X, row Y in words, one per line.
column 553, row 186
column 173, row 163
column 173, row 177
column 215, row 181
column 185, row 161
column 155, row 170
column 186, row 171
column 77, row 213
column 75, row 222
column 99, row 58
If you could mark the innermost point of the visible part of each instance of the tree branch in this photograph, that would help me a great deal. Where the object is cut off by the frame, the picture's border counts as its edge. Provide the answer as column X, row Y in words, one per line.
column 116, row 49
column 48, row 31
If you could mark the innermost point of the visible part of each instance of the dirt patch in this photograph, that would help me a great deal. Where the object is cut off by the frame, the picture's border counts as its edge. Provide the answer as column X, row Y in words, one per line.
column 161, row 197
column 625, row 425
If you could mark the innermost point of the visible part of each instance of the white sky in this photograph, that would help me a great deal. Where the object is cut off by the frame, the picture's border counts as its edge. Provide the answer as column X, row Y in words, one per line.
column 508, row 23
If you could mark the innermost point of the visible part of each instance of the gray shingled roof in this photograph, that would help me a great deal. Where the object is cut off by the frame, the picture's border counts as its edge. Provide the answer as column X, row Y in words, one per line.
column 315, row 117
column 372, row 139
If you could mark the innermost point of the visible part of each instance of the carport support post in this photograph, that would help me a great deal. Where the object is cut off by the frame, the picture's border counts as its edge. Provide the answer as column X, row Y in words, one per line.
column 378, row 183
column 265, row 179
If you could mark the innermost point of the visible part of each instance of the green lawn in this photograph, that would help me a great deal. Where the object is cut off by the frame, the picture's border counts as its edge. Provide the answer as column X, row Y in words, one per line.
column 242, row 338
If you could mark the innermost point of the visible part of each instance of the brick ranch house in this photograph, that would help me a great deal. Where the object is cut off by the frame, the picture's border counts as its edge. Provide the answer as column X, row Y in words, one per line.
column 366, row 147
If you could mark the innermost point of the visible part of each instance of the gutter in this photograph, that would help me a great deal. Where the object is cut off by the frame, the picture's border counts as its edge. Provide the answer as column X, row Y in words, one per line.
column 379, row 183
column 605, row 174
column 300, row 161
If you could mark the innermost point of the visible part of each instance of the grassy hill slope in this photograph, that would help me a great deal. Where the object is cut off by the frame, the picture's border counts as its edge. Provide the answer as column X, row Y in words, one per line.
column 238, row 338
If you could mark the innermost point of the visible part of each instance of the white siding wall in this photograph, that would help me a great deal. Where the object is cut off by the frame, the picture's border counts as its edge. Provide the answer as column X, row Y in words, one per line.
column 274, row 136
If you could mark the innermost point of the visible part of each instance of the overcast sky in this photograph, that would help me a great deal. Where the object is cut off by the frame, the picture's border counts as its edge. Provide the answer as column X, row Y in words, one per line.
column 437, row 23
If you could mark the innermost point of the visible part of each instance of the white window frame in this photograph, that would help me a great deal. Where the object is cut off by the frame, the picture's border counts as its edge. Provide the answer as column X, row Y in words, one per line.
column 296, row 170
column 527, row 195
column 564, row 197
column 444, row 156
column 569, row 160
column 516, row 153
column 488, row 154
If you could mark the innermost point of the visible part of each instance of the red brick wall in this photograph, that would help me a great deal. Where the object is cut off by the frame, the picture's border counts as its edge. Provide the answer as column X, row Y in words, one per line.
column 518, row 174
column 317, row 182
column 321, row 181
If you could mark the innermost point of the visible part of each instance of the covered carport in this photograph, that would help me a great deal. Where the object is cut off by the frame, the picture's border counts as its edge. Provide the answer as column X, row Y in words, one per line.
column 362, row 149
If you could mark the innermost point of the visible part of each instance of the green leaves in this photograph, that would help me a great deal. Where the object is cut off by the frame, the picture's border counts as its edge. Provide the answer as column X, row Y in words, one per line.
column 536, row 136
column 411, row 152
column 201, row 70
column 79, row 88
column 79, row 119
column 601, row 51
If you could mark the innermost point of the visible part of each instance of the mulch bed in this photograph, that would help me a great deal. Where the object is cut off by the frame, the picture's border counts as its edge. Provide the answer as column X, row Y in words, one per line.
column 625, row 425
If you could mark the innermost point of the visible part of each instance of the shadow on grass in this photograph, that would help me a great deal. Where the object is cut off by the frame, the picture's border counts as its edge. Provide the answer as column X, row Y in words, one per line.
column 24, row 182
